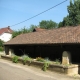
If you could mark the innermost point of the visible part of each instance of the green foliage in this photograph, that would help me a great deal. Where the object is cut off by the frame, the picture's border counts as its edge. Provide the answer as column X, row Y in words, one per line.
column 46, row 62
column 45, row 66
column 26, row 58
column 73, row 19
column 32, row 27
column 40, row 59
column 23, row 30
column 57, row 61
column 74, row 12
column 43, row 24
column 48, row 24
column 16, row 33
column 1, row 49
column 1, row 43
column 15, row 59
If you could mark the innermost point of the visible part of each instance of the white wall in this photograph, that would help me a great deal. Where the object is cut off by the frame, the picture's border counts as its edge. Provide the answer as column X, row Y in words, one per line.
column 5, row 37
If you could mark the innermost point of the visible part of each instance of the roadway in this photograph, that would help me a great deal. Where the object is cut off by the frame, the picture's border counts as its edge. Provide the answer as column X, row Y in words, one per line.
column 12, row 71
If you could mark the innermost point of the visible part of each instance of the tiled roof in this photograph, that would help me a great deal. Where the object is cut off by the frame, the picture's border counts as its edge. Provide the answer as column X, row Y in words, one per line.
column 38, row 29
column 5, row 30
column 54, row 36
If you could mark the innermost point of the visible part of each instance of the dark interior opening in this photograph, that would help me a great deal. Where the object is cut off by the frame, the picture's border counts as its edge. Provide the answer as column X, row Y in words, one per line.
column 44, row 51
column 49, row 51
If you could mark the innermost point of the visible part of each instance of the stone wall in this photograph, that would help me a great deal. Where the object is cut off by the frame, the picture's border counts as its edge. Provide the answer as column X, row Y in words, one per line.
column 65, row 69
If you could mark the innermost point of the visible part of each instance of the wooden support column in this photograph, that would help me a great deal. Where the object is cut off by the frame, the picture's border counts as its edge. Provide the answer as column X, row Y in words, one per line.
column 66, row 58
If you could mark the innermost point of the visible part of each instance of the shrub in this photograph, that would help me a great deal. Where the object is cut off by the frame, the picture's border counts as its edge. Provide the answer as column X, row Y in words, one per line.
column 45, row 66
column 57, row 61
column 26, row 58
column 15, row 59
column 40, row 59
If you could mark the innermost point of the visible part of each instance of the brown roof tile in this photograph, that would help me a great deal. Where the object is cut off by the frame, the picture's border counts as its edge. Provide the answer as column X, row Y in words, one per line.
column 5, row 30
column 60, row 35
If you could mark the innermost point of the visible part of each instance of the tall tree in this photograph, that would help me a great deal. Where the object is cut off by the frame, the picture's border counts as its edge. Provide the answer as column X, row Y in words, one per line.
column 74, row 12
column 73, row 19
column 47, row 24
column 65, row 22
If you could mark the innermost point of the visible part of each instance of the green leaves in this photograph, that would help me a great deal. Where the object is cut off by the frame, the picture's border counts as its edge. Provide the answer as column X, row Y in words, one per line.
column 43, row 24
column 26, row 58
column 73, row 19
column 1, row 43
column 45, row 66
column 48, row 24
column 16, row 33
column 15, row 59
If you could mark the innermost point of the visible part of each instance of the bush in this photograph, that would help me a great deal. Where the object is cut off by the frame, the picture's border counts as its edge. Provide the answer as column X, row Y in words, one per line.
column 57, row 61
column 26, row 58
column 45, row 66
column 40, row 59
column 15, row 59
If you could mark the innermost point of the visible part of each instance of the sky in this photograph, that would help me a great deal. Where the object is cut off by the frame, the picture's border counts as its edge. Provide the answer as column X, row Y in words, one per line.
column 15, row 11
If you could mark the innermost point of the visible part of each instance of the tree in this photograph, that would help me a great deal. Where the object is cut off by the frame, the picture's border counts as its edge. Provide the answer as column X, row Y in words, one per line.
column 16, row 33
column 65, row 22
column 74, row 12
column 73, row 19
column 32, row 27
column 23, row 30
column 1, row 43
column 47, row 24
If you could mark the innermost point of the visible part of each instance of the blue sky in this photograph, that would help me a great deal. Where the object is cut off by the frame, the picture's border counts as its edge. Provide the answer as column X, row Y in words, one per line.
column 15, row 11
